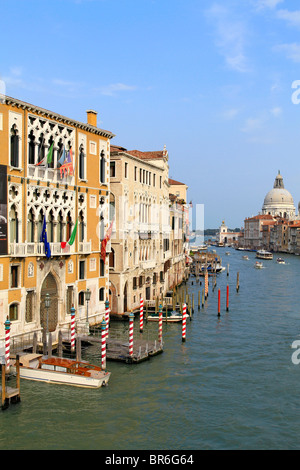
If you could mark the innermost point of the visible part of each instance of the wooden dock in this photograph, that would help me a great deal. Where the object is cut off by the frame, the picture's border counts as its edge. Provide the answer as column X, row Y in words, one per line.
column 118, row 349
column 9, row 394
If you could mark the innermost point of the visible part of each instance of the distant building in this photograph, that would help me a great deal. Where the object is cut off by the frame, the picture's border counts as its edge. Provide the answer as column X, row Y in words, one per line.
column 225, row 236
column 279, row 201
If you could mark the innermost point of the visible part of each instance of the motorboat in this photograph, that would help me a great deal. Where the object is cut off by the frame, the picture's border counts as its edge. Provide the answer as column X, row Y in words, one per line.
column 227, row 253
column 258, row 265
column 172, row 317
column 280, row 261
column 60, row 370
column 246, row 257
column 263, row 254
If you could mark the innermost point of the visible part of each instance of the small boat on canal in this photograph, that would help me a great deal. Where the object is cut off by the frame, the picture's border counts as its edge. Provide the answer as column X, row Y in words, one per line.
column 280, row 261
column 258, row 265
column 246, row 257
column 60, row 370
column 172, row 317
column 263, row 254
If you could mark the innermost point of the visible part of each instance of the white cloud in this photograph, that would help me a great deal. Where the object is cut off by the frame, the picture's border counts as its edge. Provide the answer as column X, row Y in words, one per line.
column 276, row 111
column 230, row 114
column 292, row 51
column 112, row 89
column 292, row 17
column 230, row 37
column 268, row 3
column 253, row 124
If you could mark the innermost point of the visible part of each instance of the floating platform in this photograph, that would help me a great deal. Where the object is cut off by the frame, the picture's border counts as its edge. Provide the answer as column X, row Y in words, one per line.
column 118, row 349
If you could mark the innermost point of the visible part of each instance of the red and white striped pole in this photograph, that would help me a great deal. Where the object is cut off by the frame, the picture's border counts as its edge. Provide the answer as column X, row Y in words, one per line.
column 131, row 321
column 103, row 344
column 160, row 317
column 183, row 323
column 206, row 284
column 141, row 315
column 7, row 344
column 73, row 328
column 107, row 311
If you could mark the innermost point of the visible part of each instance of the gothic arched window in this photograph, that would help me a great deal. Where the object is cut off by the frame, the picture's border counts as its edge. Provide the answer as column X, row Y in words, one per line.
column 81, row 163
column 13, row 225
column 14, row 147
column 31, row 149
column 30, row 227
column 102, row 167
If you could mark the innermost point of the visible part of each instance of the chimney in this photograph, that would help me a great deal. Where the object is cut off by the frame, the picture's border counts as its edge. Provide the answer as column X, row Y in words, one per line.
column 92, row 117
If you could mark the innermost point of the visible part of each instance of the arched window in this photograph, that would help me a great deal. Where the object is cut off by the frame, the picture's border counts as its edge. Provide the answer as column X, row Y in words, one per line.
column 14, row 147
column 60, row 228
column 30, row 227
column 69, row 226
column 50, row 142
column 81, row 227
column 41, row 148
column 101, row 294
column 50, row 227
column 102, row 167
column 81, row 298
column 40, row 225
column 13, row 312
column 31, row 149
column 13, row 225
column 81, row 163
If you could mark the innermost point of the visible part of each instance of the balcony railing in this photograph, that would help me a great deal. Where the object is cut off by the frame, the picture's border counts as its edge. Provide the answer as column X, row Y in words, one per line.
column 38, row 249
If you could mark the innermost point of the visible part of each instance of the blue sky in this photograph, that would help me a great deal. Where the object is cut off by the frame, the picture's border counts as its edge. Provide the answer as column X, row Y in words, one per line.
column 210, row 80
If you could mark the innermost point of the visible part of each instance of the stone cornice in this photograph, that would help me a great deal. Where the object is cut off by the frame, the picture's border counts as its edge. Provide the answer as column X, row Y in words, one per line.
column 57, row 117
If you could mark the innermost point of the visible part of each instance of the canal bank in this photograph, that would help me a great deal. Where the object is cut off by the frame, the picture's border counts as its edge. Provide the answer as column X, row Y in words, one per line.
column 230, row 385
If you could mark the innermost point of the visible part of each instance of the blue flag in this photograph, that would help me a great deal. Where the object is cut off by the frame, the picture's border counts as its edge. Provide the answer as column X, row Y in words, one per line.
column 44, row 239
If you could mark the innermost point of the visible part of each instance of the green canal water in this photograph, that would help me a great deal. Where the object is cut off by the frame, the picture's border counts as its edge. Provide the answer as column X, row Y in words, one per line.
column 231, row 385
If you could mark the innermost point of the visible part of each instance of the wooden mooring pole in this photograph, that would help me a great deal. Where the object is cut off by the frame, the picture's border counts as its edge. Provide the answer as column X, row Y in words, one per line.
column 237, row 281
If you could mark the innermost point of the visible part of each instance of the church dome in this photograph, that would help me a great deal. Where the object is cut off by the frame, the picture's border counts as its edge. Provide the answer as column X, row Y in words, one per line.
column 279, row 200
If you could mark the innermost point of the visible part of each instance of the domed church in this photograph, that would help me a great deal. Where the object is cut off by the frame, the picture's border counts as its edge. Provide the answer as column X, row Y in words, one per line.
column 279, row 201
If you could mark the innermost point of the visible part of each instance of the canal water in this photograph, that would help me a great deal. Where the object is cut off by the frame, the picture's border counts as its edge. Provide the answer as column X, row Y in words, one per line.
column 231, row 385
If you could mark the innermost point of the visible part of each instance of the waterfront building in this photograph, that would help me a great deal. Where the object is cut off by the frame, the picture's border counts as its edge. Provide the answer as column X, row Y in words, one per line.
column 253, row 231
column 226, row 236
column 141, row 256
column 54, row 200
column 178, row 240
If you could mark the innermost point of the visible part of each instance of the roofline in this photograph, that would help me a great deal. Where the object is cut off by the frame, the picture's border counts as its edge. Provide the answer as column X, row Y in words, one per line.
column 52, row 115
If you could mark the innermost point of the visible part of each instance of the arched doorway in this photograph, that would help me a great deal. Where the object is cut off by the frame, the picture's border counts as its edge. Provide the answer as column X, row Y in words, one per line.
column 113, row 300
column 49, row 287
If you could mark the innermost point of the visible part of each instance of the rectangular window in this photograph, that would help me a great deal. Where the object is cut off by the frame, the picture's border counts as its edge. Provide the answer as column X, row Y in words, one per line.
column 70, row 292
column 154, row 178
column 81, row 269
column 135, row 173
column 29, row 306
column 14, row 276
column 141, row 175
column 126, row 170
column 160, row 181
column 112, row 169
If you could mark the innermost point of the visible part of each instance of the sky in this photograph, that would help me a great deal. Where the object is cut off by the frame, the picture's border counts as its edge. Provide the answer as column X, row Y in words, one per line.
column 217, row 82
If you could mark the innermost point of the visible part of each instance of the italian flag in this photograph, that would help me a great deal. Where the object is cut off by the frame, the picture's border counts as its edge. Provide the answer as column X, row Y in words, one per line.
column 72, row 237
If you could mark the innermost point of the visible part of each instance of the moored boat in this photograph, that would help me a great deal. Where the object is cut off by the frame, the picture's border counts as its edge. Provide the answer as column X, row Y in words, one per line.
column 60, row 370
column 172, row 317
column 263, row 254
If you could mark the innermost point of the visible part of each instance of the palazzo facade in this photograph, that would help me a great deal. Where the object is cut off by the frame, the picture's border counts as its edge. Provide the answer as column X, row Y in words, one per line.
column 141, row 255
column 54, row 174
